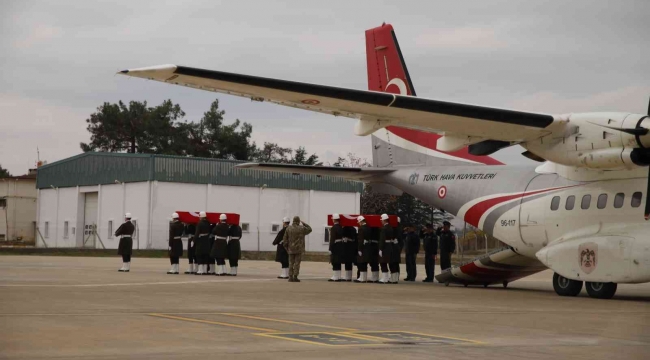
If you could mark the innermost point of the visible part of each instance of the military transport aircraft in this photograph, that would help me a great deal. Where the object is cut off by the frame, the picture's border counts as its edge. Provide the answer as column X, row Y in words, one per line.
column 582, row 212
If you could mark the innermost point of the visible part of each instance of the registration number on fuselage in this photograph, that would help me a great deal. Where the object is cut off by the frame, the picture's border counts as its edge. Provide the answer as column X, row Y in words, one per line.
column 508, row 222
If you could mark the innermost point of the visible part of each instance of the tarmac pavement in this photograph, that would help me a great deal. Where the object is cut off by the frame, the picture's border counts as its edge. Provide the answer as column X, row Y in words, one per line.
column 80, row 307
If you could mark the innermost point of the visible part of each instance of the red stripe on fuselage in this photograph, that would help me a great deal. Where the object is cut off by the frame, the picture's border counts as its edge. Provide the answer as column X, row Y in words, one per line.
column 430, row 141
column 474, row 214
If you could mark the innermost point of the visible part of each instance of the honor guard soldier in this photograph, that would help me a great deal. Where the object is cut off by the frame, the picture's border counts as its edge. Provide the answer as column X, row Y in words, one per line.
column 400, row 236
column 388, row 252
column 350, row 250
column 175, row 247
column 363, row 250
column 294, row 242
column 281, row 254
column 412, row 245
column 337, row 248
column 373, row 257
column 190, row 230
column 447, row 245
column 234, row 248
column 430, row 252
column 211, row 261
column 125, row 248
column 220, row 247
column 202, row 244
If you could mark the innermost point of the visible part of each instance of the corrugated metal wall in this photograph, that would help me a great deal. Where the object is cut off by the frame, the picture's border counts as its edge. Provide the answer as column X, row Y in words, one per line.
column 105, row 168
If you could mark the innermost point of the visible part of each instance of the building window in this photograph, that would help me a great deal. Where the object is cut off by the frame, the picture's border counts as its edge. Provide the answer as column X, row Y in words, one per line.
column 636, row 199
column 65, row 229
column 570, row 202
column 3, row 203
column 555, row 203
column 245, row 227
column 47, row 229
column 586, row 202
column 74, row 230
column 275, row 228
column 327, row 235
column 602, row 201
column 110, row 229
column 618, row 200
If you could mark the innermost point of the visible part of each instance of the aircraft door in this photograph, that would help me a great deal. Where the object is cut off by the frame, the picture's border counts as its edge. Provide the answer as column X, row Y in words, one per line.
column 532, row 214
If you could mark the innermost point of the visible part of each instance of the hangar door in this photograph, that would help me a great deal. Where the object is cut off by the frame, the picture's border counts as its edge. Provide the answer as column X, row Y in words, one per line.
column 90, row 219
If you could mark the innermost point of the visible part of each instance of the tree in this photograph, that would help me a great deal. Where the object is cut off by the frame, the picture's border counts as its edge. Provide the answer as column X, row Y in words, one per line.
column 4, row 173
column 274, row 153
column 134, row 128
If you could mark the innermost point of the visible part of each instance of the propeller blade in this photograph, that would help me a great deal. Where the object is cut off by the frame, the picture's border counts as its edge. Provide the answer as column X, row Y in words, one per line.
column 633, row 131
column 648, row 107
column 647, row 195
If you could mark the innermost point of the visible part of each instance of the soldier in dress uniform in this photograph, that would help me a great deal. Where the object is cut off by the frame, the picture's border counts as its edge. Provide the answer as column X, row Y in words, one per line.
column 190, row 230
column 125, row 248
column 220, row 247
column 363, row 250
column 430, row 252
column 337, row 248
column 211, row 261
column 202, row 244
column 400, row 236
column 373, row 254
column 412, row 245
column 350, row 248
column 386, row 250
column 281, row 255
column 294, row 242
column 447, row 245
column 234, row 248
column 175, row 246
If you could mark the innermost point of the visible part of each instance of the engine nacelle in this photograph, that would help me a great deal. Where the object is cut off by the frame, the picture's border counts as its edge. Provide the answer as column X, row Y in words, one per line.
column 604, row 141
column 599, row 259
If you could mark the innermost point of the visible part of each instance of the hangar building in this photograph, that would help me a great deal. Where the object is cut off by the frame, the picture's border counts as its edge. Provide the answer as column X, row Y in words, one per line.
column 82, row 199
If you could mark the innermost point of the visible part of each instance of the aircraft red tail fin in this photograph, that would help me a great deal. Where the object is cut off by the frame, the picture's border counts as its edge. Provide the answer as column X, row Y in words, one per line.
column 387, row 70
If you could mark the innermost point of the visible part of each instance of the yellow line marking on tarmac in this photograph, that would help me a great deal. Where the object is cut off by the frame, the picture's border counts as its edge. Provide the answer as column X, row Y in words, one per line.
column 212, row 322
column 364, row 335
column 286, row 321
column 279, row 336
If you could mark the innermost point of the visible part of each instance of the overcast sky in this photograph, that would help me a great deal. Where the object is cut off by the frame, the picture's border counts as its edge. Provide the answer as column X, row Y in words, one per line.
column 58, row 61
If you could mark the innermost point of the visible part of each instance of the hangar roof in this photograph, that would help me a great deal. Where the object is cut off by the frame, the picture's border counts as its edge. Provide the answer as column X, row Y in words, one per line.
column 94, row 168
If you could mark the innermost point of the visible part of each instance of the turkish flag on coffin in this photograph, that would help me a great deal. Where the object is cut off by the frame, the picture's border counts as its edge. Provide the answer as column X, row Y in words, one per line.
column 371, row 220
column 192, row 217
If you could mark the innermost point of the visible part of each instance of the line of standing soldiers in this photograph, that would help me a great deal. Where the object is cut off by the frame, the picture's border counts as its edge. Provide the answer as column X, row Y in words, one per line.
column 207, row 245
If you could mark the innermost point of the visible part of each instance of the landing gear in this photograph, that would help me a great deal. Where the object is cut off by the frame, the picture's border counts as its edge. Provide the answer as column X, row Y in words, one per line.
column 600, row 290
column 505, row 284
column 566, row 287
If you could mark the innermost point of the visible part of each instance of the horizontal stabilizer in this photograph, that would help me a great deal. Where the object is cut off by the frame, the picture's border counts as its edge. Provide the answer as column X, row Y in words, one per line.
column 500, row 266
column 358, row 174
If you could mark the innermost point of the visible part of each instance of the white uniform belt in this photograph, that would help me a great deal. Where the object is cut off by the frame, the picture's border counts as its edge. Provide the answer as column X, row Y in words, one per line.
column 125, row 236
column 177, row 237
column 338, row 241
column 392, row 241
column 369, row 241
column 347, row 239
column 221, row 238
column 234, row 238
column 204, row 234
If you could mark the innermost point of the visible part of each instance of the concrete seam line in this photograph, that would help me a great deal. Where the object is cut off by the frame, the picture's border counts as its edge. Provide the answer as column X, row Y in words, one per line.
column 285, row 321
column 211, row 322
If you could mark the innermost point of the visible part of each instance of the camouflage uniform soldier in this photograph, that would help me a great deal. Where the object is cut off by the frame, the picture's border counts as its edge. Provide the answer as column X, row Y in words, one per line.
column 294, row 242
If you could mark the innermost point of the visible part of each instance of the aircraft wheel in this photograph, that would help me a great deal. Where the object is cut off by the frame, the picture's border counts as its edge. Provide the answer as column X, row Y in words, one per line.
column 446, row 283
column 601, row 290
column 486, row 285
column 566, row 287
column 466, row 284
column 505, row 284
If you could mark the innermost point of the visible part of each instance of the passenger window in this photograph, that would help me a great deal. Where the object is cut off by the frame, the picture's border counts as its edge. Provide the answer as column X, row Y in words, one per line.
column 555, row 203
column 618, row 200
column 570, row 202
column 636, row 199
column 586, row 202
column 602, row 201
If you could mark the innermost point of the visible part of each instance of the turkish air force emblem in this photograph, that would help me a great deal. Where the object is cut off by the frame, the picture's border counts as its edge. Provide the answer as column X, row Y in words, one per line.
column 413, row 179
column 588, row 257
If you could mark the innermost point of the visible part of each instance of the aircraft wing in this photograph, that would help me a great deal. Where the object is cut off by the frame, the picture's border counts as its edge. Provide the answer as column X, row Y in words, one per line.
column 374, row 110
column 358, row 174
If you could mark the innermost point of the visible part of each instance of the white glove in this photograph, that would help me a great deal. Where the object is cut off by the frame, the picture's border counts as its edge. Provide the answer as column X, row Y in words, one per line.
column 380, row 253
column 359, row 252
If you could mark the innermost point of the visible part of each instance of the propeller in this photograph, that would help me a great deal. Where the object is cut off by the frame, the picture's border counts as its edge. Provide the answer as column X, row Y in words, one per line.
column 646, row 214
